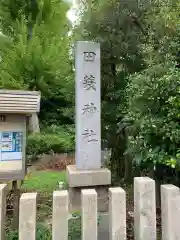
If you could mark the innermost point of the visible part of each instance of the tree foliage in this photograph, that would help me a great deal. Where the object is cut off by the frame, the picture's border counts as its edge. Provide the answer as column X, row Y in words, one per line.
column 37, row 53
column 153, row 95
column 140, row 79
column 140, row 71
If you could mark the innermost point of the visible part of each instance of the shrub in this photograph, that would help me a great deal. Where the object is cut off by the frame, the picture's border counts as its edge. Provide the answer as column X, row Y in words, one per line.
column 46, row 143
column 154, row 108
column 42, row 233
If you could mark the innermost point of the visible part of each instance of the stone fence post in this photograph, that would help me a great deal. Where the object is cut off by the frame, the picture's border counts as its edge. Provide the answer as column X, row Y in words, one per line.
column 144, row 209
column 27, row 216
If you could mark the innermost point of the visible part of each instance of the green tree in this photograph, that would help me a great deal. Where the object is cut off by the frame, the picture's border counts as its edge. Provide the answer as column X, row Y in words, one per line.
column 116, row 25
column 153, row 95
column 35, row 55
column 137, row 38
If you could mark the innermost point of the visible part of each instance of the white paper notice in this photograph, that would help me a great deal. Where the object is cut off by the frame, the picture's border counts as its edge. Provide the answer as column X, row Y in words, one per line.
column 11, row 146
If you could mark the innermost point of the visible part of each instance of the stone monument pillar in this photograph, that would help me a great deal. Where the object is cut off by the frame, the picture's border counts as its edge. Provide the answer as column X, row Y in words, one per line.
column 87, row 173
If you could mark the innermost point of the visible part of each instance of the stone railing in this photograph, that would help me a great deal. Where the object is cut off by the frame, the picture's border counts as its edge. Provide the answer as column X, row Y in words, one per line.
column 144, row 213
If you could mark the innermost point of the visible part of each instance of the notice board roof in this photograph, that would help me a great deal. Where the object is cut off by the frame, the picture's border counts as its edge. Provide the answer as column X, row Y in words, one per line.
column 16, row 101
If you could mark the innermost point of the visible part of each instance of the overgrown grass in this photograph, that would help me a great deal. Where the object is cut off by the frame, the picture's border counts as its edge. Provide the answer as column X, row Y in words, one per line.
column 45, row 233
column 44, row 181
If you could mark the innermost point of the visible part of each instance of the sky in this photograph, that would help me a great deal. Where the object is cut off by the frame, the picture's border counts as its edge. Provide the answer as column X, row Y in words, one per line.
column 72, row 12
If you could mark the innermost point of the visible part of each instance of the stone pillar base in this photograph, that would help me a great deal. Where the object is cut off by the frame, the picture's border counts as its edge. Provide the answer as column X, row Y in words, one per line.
column 75, row 198
column 100, row 180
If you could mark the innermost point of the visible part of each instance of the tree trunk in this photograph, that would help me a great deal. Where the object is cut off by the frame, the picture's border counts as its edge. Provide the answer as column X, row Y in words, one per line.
column 117, row 156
